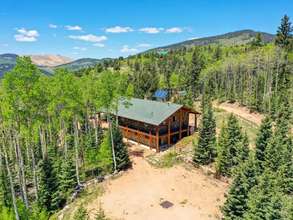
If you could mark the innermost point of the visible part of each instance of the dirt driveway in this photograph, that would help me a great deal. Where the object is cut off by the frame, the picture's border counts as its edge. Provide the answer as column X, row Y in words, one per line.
column 139, row 191
column 241, row 111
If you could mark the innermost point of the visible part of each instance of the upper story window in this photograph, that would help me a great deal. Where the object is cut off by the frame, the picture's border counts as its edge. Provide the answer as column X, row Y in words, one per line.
column 174, row 118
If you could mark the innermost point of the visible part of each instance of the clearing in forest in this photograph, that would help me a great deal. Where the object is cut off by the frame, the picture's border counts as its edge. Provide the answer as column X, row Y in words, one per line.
column 137, row 193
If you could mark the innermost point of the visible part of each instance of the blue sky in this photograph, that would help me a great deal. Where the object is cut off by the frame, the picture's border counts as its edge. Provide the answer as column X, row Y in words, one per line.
column 106, row 28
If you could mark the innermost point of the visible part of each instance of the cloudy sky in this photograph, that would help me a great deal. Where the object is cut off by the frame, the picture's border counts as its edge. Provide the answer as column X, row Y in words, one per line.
column 106, row 28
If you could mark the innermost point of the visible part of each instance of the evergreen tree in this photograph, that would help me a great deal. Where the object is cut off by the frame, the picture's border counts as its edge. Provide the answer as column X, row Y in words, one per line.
column 244, row 179
column 235, row 137
column 195, row 68
column 261, row 143
column 266, row 200
column 284, row 36
column 67, row 178
column 223, row 165
column 104, row 156
column 257, row 41
column 204, row 149
column 81, row 214
column 121, row 151
column 5, row 192
column 242, row 152
column 48, row 187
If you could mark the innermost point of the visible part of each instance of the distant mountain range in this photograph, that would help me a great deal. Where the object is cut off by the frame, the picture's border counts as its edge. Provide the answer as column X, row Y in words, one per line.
column 46, row 63
column 239, row 38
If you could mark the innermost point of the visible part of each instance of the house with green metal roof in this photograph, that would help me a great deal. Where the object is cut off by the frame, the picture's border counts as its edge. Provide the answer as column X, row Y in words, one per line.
column 157, row 125
column 178, row 94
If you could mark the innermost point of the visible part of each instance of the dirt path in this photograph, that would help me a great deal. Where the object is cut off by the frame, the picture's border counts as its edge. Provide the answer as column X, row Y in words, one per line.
column 139, row 191
column 241, row 111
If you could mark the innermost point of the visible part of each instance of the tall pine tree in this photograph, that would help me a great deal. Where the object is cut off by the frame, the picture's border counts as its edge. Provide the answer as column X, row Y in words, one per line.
column 204, row 149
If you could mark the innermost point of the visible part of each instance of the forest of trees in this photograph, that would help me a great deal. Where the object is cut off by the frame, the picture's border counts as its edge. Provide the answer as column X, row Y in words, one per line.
column 48, row 145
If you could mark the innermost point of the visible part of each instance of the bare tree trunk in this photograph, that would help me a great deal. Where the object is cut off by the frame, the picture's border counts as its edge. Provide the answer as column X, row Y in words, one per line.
column 23, row 174
column 43, row 140
column 50, row 131
column 64, row 137
column 27, row 153
column 34, row 163
column 76, row 148
column 11, row 149
column 8, row 169
column 82, row 151
column 18, row 165
column 1, row 159
column 112, row 141
column 96, row 125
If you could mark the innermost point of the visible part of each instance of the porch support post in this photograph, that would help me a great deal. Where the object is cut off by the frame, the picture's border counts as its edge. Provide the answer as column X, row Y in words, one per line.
column 157, row 139
column 168, row 132
column 138, row 132
column 180, row 123
column 127, row 129
column 195, row 122
column 150, row 136
column 188, row 123
column 99, row 117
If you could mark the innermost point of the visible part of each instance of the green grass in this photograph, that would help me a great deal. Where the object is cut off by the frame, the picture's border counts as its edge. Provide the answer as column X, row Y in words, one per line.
column 86, row 197
column 247, row 126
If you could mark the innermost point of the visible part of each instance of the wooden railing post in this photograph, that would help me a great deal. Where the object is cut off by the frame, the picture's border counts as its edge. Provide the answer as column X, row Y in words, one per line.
column 127, row 129
column 169, row 132
column 188, row 123
column 138, row 135
column 150, row 136
column 180, row 123
column 158, row 139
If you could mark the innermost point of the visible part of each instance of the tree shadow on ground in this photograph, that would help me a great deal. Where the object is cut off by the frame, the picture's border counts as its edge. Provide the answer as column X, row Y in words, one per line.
column 133, row 152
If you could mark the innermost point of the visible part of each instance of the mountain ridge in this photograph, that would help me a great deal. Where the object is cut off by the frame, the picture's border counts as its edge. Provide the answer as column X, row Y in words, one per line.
column 242, row 37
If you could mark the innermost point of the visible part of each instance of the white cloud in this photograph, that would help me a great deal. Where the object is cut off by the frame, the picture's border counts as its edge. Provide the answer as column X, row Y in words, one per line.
column 99, row 45
column 79, row 48
column 52, row 26
column 151, row 30
column 32, row 33
column 54, row 35
column 174, row 30
column 5, row 45
column 112, row 50
column 119, row 29
column 127, row 50
column 144, row 45
column 90, row 37
column 74, row 53
column 73, row 28
column 20, row 37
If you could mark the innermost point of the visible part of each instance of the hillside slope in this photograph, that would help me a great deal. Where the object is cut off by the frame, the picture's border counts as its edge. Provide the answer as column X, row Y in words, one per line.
column 49, row 59
column 82, row 63
column 239, row 38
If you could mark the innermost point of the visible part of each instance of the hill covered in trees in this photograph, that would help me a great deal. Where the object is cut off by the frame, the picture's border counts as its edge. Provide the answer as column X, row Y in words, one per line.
column 238, row 38
column 82, row 63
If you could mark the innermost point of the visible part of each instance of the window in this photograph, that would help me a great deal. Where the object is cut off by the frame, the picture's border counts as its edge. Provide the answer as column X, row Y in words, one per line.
column 174, row 118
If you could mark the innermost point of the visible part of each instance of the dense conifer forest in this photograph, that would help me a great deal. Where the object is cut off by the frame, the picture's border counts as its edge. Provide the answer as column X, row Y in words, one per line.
column 49, row 144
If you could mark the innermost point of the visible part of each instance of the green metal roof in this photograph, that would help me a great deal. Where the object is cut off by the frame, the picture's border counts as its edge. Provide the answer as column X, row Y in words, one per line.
column 151, row 112
column 182, row 93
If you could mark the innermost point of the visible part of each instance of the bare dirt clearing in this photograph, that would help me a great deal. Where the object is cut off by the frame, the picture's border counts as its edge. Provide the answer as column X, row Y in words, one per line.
column 241, row 111
column 139, row 191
